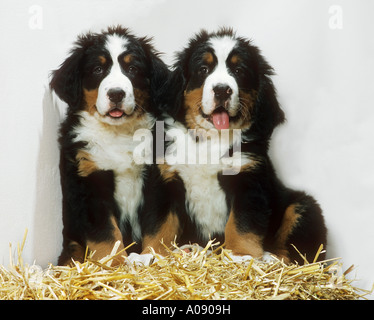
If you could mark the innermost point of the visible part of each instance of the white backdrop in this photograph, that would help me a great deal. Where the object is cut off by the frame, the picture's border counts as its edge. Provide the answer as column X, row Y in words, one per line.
column 322, row 52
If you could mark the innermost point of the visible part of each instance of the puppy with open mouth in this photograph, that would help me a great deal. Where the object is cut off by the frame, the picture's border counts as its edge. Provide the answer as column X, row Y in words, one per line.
column 222, row 83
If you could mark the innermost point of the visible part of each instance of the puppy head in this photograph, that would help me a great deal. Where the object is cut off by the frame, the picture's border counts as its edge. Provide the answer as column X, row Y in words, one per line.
column 225, row 85
column 111, row 75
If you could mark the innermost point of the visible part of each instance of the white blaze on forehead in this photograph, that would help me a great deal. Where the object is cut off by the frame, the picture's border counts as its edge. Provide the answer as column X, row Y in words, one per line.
column 115, row 45
column 222, row 47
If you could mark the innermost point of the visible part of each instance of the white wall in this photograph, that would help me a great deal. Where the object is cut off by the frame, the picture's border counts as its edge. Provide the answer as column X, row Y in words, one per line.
column 324, row 80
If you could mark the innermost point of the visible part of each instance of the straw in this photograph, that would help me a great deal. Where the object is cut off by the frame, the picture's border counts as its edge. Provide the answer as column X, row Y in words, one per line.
column 207, row 273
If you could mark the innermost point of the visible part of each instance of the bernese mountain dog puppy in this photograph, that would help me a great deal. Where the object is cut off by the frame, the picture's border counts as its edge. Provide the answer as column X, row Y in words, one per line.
column 110, row 83
column 222, row 110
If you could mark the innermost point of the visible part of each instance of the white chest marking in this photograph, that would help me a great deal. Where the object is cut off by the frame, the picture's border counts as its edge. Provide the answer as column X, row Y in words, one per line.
column 112, row 149
column 205, row 199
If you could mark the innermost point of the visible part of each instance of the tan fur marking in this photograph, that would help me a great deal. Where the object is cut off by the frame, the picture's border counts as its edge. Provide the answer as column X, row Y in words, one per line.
column 289, row 221
column 166, row 173
column 242, row 243
column 102, row 59
column 208, row 57
column 141, row 100
column 104, row 248
column 90, row 97
column 192, row 102
column 247, row 102
column 85, row 165
column 127, row 58
column 167, row 233
column 235, row 59
column 253, row 165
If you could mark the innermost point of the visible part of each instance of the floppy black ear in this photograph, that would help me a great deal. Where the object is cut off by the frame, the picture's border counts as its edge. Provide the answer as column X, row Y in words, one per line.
column 158, row 80
column 174, row 96
column 269, row 114
column 66, row 81
column 176, row 85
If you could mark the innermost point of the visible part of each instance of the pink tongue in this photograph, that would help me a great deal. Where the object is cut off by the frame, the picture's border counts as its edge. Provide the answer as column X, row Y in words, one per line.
column 221, row 120
column 116, row 113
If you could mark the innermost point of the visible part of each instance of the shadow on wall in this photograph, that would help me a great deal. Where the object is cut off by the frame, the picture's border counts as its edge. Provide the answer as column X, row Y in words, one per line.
column 48, row 217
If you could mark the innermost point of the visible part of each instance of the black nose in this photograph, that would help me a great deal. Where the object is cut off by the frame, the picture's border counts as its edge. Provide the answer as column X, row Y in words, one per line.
column 116, row 94
column 222, row 92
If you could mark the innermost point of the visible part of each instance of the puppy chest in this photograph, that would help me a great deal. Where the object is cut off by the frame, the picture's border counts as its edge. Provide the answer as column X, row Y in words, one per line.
column 108, row 150
column 128, row 184
column 205, row 199
column 129, row 197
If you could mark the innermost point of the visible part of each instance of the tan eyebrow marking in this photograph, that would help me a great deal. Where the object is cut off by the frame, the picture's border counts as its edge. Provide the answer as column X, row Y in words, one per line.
column 235, row 59
column 208, row 57
column 127, row 58
column 102, row 59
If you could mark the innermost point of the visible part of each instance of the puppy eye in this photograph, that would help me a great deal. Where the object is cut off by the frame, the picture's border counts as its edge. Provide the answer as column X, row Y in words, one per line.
column 98, row 70
column 238, row 71
column 204, row 70
column 132, row 70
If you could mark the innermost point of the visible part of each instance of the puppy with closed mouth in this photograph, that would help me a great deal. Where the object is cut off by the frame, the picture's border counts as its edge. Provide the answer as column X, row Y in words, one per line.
column 110, row 82
column 222, row 83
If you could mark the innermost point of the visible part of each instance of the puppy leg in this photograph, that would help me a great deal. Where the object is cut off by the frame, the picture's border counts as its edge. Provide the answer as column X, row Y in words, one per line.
column 240, row 242
column 290, row 220
column 71, row 250
column 166, row 232
column 303, row 226
column 104, row 247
